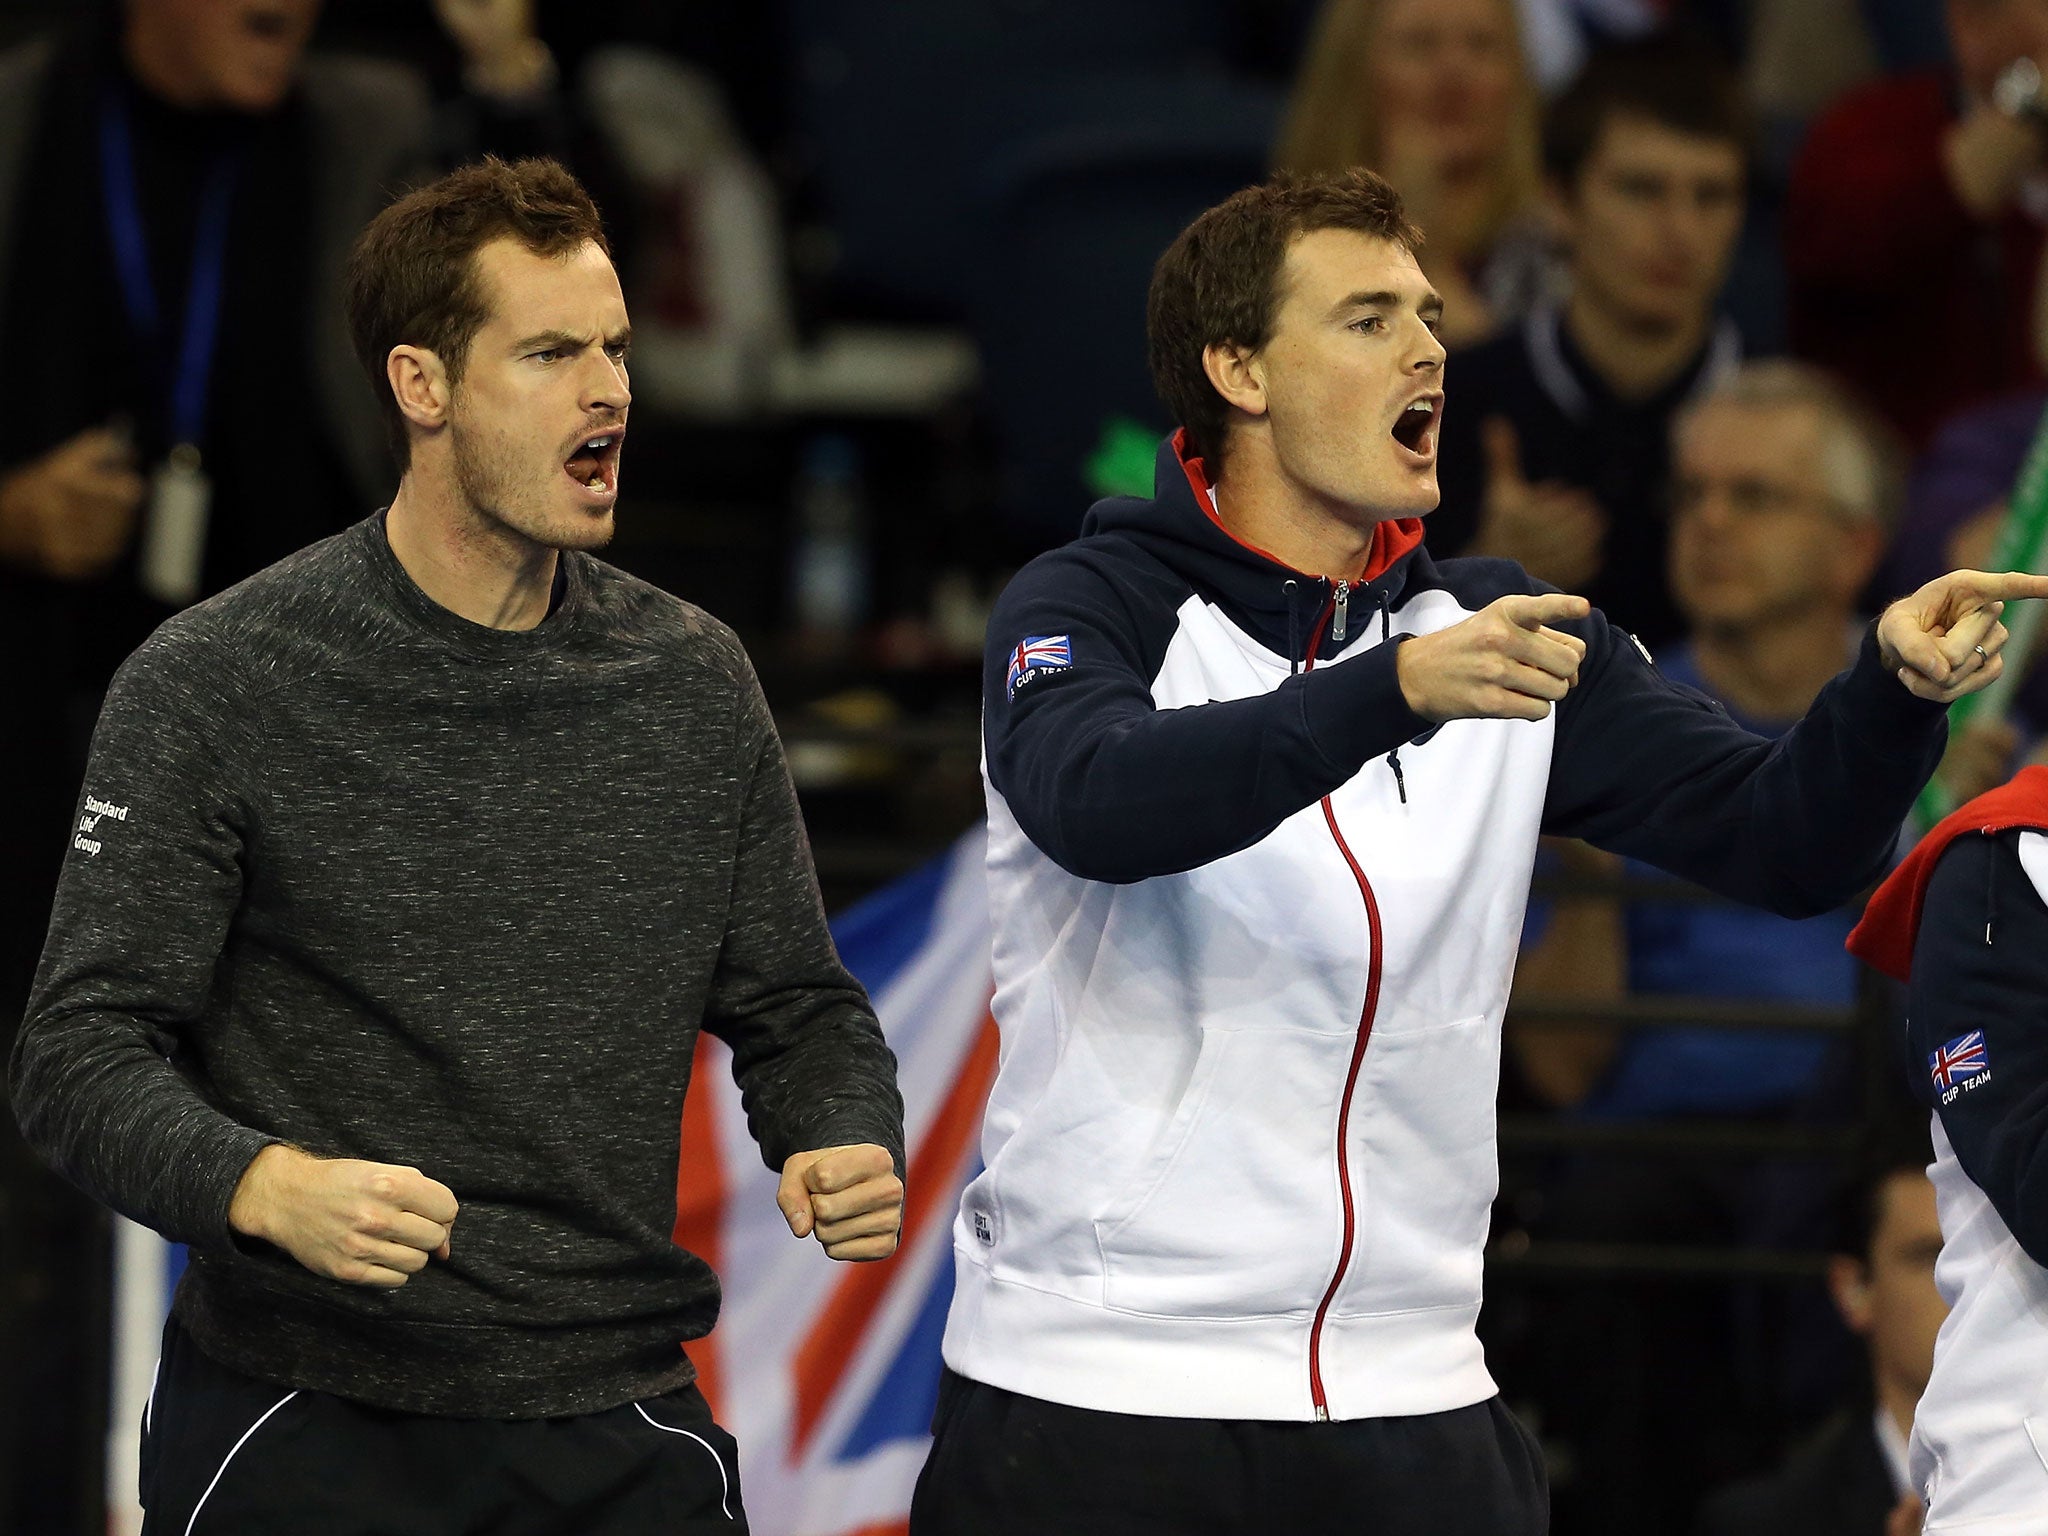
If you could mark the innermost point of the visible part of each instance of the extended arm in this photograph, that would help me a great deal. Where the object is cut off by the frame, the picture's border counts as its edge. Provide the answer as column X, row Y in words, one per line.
column 1116, row 789
column 1654, row 771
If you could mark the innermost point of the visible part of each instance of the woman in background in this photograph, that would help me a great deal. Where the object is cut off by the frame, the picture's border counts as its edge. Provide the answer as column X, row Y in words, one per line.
column 1436, row 96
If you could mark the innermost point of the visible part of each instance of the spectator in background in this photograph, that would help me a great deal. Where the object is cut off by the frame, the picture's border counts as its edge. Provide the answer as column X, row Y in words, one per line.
column 1850, row 1478
column 1783, row 489
column 179, row 185
column 1918, row 202
column 1555, row 452
column 193, row 394
column 1435, row 95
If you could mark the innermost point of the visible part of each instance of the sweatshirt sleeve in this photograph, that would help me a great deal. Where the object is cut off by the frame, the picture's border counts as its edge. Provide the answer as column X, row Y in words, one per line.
column 807, row 1051
column 107, row 1072
column 1646, row 768
column 1110, row 786
column 1980, row 968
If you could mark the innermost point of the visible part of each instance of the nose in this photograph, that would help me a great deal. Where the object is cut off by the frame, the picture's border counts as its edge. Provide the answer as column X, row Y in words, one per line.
column 1429, row 352
column 1707, row 508
column 605, row 385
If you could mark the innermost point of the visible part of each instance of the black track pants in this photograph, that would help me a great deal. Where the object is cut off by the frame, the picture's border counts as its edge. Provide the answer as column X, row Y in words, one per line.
column 1007, row 1465
column 225, row 1455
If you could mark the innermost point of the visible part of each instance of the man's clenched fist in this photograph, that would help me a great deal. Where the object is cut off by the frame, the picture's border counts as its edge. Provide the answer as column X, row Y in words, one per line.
column 849, row 1197
column 1503, row 663
column 363, row 1223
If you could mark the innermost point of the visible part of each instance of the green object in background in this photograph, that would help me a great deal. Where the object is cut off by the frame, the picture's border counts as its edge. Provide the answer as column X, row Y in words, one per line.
column 2022, row 545
column 1121, row 464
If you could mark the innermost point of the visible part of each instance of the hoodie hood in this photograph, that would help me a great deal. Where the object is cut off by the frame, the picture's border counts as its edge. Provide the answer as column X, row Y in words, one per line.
column 1276, row 603
column 1891, row 921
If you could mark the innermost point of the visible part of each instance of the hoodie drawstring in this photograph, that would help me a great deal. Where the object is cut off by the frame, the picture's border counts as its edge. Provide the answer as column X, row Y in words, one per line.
column 1393, row 757
column 1990, row 897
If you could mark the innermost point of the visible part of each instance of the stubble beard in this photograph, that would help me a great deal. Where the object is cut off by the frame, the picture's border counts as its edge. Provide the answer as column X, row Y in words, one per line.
column 502, row 498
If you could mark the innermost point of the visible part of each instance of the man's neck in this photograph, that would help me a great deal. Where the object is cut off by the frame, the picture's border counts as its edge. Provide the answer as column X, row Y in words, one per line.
column 1634, row 359
column 1269, row 511
column 470, row 564
column 1771, row 671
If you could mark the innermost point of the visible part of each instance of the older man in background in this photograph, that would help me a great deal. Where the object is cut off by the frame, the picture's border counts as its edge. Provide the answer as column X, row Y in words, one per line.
column 1784, row 489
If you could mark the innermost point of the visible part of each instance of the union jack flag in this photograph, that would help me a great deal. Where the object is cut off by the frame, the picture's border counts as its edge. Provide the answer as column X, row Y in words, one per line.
column 828, row 1373
column 1964, row 1056
column 1039, row 653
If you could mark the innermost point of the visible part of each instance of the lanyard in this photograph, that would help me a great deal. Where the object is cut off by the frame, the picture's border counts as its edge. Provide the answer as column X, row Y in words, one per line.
column 194, row 364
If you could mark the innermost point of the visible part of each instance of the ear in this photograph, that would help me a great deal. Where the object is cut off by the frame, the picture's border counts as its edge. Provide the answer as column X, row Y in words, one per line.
column 1237, row 374
column 420, row 385
column 1849, row 1285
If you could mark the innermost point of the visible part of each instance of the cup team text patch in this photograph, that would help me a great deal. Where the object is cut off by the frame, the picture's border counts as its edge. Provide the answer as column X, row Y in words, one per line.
column 1039, row 655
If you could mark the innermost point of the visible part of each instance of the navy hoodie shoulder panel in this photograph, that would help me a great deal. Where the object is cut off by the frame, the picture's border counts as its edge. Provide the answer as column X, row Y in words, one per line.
column 1659, row 772
column 1113, row 788
column 1980, row 967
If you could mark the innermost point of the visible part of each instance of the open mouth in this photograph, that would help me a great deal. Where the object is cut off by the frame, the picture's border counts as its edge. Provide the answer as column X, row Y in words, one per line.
column 1415, row 428
column 595, row 463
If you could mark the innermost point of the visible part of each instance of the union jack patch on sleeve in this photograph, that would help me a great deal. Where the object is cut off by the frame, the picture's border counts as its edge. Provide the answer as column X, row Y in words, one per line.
column 1039, row 655
column 1962, row 1059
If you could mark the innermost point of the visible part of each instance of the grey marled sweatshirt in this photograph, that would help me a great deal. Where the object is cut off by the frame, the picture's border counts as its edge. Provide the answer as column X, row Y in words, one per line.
column 354, row 873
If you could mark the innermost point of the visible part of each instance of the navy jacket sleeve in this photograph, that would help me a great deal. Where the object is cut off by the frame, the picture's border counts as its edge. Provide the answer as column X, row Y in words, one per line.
column 1658, row 772
column 1980, row 962
column 1114, row 788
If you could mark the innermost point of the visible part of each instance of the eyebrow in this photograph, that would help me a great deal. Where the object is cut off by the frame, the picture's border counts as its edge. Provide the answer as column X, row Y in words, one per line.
column 542, row 341
column 1431, row 302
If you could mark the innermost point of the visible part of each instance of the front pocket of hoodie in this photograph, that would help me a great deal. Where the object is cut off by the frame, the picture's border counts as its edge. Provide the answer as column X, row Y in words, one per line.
column 1424, row 1168
column 1234, row 1211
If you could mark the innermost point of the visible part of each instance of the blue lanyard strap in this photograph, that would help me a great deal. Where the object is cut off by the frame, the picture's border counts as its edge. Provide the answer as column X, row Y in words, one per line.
column 193, row 368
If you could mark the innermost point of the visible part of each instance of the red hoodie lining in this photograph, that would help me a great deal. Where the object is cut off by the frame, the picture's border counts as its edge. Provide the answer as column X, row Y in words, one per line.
column 1391, row 539
column 1891, row 919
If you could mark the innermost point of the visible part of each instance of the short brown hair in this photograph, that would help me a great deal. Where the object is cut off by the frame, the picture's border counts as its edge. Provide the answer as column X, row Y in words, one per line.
column 412, row 277
column 1677, row 82
column 1219, row 282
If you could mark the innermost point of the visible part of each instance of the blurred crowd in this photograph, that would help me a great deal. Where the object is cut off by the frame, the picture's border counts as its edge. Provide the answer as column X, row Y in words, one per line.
column 1748, row 333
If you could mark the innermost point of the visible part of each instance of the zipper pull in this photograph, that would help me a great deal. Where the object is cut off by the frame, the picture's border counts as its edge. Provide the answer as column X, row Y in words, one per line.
column 1343, row 602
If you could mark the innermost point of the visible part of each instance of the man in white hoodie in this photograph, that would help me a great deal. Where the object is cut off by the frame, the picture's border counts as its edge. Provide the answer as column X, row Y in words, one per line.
column 1265, row 782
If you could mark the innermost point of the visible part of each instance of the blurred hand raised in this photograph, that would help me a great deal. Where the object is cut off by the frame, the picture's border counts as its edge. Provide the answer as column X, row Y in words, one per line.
column 1554, row 531
column 71, row 513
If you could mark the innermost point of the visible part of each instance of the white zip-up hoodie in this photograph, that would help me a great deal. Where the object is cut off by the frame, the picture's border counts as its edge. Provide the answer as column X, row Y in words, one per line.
column 1255, row 923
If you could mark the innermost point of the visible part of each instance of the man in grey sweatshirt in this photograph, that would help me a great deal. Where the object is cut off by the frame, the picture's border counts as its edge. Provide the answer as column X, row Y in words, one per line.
column 404, row 875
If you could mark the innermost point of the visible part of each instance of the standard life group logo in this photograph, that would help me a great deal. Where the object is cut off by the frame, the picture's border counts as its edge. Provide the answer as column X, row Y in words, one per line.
column 96, row 811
